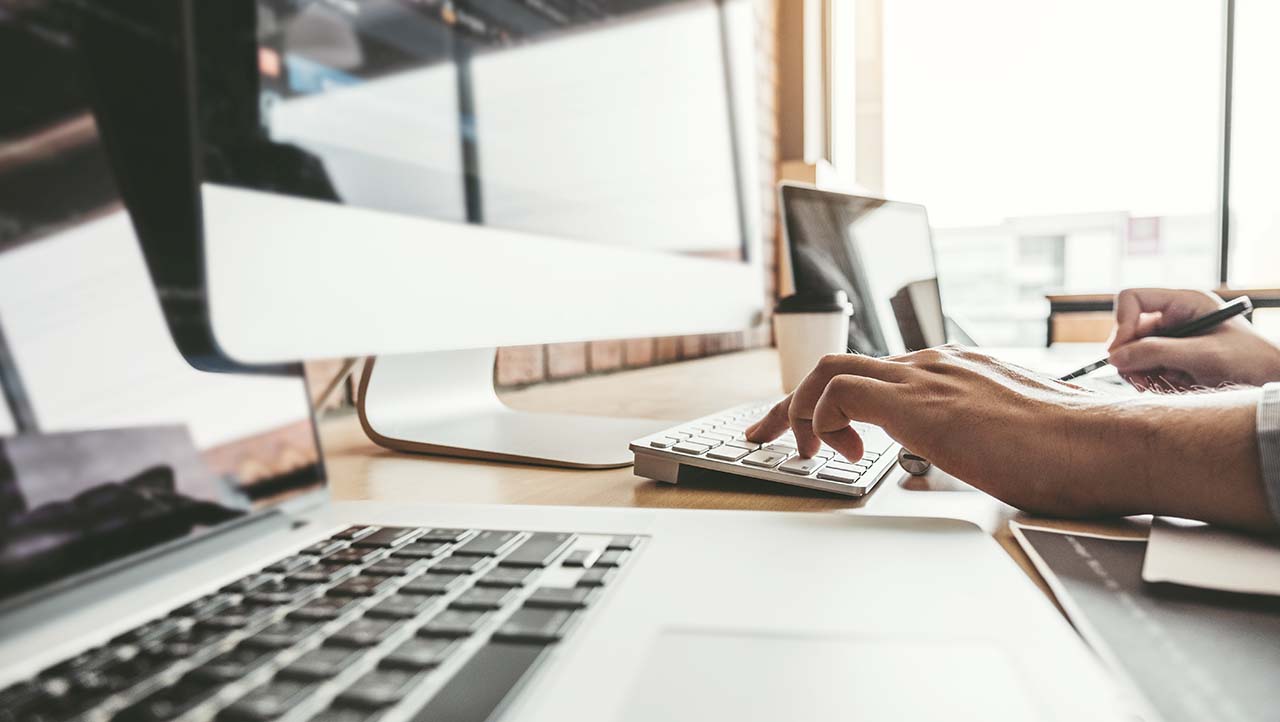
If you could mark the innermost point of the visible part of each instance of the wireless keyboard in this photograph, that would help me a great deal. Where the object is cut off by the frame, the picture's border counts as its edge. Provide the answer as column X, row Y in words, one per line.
column 718, row 442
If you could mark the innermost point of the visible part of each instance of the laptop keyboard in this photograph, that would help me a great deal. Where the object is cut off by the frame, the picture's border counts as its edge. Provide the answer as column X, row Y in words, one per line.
column 718, row 443
column 373, row 624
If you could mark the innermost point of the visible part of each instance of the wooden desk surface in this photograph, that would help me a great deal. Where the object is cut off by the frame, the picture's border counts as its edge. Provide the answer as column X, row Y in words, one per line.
column 358, row 469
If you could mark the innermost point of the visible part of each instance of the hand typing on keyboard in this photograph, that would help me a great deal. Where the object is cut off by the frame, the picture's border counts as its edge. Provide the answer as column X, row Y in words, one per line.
column 1034, row 442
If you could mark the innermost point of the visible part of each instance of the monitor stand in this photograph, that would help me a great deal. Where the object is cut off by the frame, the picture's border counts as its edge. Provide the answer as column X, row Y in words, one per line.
column 445, row 403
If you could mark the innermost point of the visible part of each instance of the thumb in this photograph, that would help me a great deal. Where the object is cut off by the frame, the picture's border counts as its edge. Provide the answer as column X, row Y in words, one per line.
column 1158, row 352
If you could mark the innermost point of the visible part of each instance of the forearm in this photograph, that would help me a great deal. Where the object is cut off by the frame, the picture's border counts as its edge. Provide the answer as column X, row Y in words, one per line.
column 1196, row 456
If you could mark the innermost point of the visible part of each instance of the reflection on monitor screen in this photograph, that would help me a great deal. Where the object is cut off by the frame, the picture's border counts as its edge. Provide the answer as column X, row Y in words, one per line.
column 111, row 443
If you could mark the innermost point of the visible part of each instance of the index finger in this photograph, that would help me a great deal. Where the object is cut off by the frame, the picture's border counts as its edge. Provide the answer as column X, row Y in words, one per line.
column 772, row 425
column 805, row 398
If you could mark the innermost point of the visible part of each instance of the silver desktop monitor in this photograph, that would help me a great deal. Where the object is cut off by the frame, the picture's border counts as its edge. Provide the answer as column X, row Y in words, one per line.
column 429, row 180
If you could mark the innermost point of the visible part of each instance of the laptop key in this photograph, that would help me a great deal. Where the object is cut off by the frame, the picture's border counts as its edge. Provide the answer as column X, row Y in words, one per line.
column 321, row 663
column 167, row 703
column 282, row 634
column 380, row 688
column 506, row 577
column 230, row 666
column 290, row 564
column 579, row 558
column 539, row 550
column 765, row 458
column 364, row 633
column 627, row 542
column 268, row 702
column 322, row 574
column 596, row 577
column 387, row 536
column 444, row 535
column 486, row 544
column 323, row 609
column 460, row 565
column 537, row 626
column 401, row 606
column 361, row 586
column 354, row 532
column 453, row 623
column 347, row 714
column 483, row 598
column 419, row 653
column 391, row 567
column 612, row 558
column 432, row 584
column 356, row 556
column 420, row 550
column 562, row 597
column 324, row 548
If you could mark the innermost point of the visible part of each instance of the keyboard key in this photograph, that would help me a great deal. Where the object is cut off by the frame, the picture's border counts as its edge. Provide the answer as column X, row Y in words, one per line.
column 562, row 598
column 363, row 633
column 743, row 444
column 320, row 663
column 272, row 599
column 844, row 477
column 237, row 617
column 431, row 584
column 596, row 577
column 356, row 556
column 444, row 535
column 360, row 586
column 391, row 567
column 489, row 598
column 169, row 702
column 268, row 702
column 460, row 565
column 324, row 548
column 453, row 623
column 506, row 577
column 346, row 714
column 579, row 558
column 476, row 691
column 782, row 448
column 686, row 447
column 387, row 536
column 626, row 542
column 380, row 688
column 233, row 665
column 486, row 544
column 538, row 626
column 323, row 609
column 420, row 550
column 801, row 466
column 612, row 558
column 282, row 634
column 706, row 441
column 322, row 574
column 208, row 605
column 841, row 466
column 718, row 436
column 727, row 453
column 354, row 532
column 419, row 654
column 665, row 442
column 539, row 550
column 765, row 458
column 401, row 606
column 290, row 564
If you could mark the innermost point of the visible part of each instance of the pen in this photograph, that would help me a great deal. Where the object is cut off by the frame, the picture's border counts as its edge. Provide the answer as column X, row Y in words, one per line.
column 1241, row 305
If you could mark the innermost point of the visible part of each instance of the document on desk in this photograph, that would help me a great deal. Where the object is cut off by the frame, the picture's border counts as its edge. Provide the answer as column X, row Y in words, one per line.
column 1198, row 555
column 1192, row 654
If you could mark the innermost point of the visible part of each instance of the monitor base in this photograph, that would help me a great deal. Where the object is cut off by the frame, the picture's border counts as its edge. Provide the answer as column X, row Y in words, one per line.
column 445, row 403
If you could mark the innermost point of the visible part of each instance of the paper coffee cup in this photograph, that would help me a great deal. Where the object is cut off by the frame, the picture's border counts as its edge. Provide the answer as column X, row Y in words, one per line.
column 806, row 329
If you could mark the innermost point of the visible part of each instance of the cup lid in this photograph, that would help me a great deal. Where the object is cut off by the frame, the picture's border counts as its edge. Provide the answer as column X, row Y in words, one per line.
column 837, row 302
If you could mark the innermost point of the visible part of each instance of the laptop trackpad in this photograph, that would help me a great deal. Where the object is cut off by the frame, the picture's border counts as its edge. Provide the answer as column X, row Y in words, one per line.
column 706, row 675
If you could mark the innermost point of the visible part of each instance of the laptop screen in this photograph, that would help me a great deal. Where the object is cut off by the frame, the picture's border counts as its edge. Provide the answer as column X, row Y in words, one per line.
column 880, row 253
column 111, row 443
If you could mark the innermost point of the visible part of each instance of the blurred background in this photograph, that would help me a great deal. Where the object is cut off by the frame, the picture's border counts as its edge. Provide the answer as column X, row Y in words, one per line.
column 1064, row 151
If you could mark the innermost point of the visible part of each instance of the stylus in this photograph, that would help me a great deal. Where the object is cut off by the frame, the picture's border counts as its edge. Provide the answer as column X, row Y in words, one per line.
column 1196, row 326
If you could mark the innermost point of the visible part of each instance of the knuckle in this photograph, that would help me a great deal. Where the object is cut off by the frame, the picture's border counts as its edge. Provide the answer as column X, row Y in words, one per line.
column 830, row 361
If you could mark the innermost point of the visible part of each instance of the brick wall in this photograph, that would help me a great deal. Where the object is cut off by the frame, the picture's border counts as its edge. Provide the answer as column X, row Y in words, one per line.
column 524, row 365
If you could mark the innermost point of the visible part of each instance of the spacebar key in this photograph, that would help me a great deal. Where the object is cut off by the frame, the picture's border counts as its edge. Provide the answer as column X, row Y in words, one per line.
column 482, row 684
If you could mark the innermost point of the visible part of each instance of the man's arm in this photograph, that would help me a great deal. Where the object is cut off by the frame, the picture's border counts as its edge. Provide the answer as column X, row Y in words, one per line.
column 1039, row 444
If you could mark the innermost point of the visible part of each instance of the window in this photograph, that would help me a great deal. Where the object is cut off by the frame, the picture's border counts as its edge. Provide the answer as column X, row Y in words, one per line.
column 1255, row 147
column 1066, row 147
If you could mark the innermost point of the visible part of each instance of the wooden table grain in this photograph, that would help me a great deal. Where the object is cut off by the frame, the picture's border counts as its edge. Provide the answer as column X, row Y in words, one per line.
column 359, row 470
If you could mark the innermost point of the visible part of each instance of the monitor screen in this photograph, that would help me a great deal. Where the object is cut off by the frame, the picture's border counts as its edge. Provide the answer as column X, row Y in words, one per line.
column 602, row 121
column 880, row 253
column 111, row 443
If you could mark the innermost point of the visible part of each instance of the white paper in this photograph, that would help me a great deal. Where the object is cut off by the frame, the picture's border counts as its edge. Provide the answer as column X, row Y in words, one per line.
column 1199, row 555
